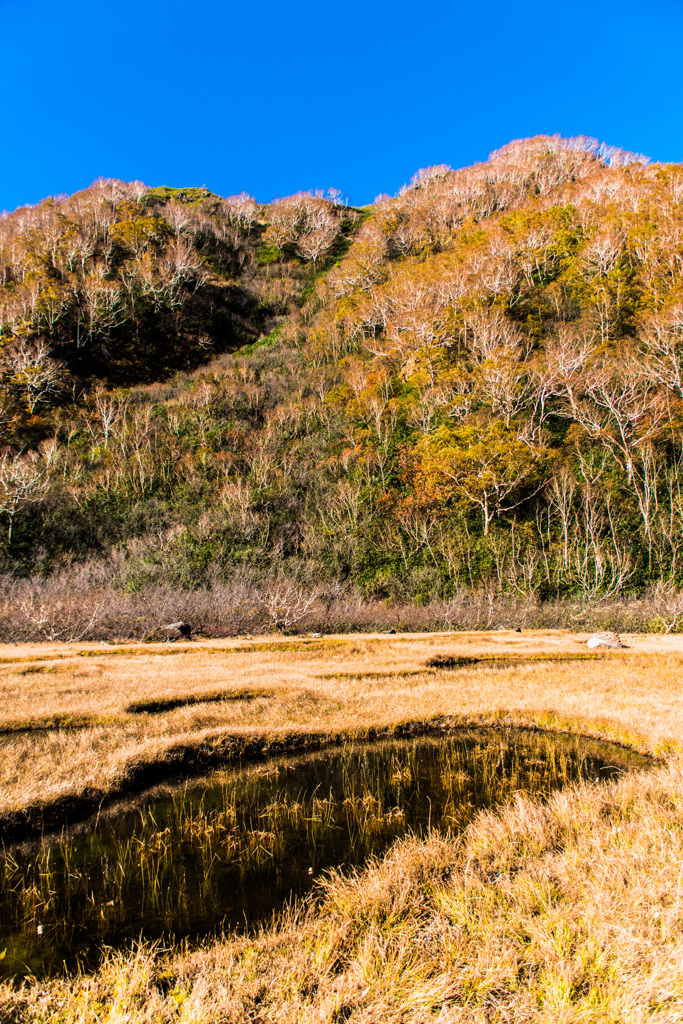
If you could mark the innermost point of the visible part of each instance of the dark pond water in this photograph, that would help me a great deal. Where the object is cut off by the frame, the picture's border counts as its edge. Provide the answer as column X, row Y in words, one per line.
column 227, row 851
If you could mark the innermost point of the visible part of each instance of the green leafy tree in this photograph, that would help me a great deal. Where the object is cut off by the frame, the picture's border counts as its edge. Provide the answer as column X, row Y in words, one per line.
column 487, row 465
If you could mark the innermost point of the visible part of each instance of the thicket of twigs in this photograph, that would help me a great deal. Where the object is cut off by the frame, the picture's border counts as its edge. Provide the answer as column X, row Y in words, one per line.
column 84, row 604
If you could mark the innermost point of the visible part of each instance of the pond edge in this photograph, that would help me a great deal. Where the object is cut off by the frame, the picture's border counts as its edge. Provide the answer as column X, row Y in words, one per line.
column 186, row 761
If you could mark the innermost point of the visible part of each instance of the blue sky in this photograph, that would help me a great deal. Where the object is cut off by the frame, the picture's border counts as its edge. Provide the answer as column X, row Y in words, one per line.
column 272, row 98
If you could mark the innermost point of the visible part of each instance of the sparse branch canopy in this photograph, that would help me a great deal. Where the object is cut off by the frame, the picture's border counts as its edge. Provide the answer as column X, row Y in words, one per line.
column 22, row 481
column 287, row 602
column 33, row 373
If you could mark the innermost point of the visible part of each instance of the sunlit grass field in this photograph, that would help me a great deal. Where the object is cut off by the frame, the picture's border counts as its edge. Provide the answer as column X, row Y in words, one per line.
column 571, row 910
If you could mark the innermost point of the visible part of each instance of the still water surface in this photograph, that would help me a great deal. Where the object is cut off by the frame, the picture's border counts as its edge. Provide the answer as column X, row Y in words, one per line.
column 228, row 850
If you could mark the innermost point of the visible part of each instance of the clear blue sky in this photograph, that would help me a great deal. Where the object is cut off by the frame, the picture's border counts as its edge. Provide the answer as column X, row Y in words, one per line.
column 276, row 97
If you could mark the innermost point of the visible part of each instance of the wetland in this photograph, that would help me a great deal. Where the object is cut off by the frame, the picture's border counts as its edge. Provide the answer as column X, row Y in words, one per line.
column 227, row 852
column 462, row 866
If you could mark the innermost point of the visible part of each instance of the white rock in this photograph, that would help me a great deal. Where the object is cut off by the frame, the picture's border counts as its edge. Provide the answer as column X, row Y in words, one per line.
column 603, row 640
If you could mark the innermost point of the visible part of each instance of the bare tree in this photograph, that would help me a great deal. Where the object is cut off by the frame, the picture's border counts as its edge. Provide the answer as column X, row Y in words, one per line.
column 662, row 339
column 21, row 482
column 336, row 196
column 100, row 308
column 287, row 602
column 242, row 210
column 316, row 243
column 668, row 601
column 165, row 279
column 65, row 620
column 34, row 373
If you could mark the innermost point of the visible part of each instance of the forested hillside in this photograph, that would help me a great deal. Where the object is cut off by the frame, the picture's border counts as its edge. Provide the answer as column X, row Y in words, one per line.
column 465, row 399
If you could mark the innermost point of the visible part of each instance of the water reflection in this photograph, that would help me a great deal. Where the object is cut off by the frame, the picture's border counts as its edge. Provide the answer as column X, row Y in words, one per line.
column 227, row 851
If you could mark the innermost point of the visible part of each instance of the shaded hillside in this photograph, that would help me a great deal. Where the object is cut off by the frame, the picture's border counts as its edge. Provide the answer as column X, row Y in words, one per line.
column 473, row 386
column 125, row 283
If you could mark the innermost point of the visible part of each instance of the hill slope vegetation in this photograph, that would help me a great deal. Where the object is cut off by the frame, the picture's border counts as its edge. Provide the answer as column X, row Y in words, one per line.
column 466, row 395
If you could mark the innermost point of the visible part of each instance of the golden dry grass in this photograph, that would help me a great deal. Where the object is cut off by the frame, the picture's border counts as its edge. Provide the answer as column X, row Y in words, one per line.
column 569, row 911
column 72, row 719
column 563, row 913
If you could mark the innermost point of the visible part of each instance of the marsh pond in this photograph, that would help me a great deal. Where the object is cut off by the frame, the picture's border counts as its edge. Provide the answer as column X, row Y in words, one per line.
column 228, row 850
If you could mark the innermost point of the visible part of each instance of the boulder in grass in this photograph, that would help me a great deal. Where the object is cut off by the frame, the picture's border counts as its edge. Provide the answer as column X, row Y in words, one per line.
column 604, row 640
column 178, row 630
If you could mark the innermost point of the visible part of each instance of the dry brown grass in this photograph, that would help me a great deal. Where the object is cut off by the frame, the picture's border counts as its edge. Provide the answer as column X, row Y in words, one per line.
column 570, row 911
column 73, row 718
column 564, row 913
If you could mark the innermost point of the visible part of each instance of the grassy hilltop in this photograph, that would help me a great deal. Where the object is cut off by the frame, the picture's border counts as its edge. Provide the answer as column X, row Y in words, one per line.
column 460, row 405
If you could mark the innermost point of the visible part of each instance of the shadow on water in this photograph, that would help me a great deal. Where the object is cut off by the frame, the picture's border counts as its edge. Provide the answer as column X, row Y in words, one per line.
column 228, row 851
